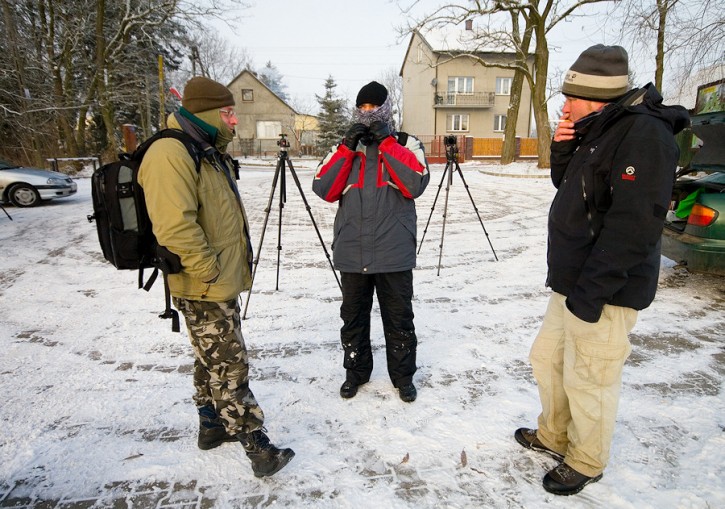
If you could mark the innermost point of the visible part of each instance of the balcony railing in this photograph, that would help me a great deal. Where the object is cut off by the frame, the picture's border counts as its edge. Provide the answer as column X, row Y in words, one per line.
column 456, row 99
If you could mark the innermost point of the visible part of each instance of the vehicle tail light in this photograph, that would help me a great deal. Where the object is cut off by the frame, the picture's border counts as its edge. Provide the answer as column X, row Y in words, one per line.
column 701, row 215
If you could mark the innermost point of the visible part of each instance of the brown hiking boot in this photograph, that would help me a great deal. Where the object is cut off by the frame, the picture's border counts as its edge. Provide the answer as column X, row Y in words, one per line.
column 527, row 438
column 564, row 480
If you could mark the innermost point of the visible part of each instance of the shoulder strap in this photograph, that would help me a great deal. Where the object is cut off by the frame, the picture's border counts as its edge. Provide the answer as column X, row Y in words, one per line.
column 194, row 149
column 403, row 138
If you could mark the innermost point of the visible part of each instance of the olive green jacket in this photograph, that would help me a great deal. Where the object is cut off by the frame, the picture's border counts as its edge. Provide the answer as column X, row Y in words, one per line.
column 197, row 216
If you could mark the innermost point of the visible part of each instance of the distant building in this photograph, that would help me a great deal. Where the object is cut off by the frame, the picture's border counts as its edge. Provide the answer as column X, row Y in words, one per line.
column 447, row 92
column 263, row 116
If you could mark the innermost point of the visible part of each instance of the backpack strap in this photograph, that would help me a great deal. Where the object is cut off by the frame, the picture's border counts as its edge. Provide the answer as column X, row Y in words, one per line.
column 166, row 261
column 193, row 147
column 169, row 312
column 403, row 138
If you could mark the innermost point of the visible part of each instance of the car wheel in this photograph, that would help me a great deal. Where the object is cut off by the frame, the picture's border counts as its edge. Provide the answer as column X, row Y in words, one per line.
column 24, row 195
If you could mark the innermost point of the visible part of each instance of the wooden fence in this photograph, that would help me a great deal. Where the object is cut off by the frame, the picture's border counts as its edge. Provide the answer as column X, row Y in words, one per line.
column 468, row 148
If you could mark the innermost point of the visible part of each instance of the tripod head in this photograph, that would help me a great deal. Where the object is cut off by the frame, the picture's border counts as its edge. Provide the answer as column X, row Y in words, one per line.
column 451, row 148
column 283, row 143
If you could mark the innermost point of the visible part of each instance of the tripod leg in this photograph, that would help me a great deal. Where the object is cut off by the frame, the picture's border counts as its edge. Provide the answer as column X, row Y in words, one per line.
column 261, row 239
column 6, row 212
column 458, row 169
column 309, row 211
column 445, row 215
column 425, row 230
column 282, row 200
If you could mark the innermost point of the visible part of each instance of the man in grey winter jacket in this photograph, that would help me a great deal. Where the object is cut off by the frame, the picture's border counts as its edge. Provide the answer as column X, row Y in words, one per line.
column 613, row 160
column 375, row 174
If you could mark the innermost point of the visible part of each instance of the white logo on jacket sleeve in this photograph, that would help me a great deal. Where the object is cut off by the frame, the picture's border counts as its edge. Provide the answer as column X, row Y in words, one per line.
column 629, row 173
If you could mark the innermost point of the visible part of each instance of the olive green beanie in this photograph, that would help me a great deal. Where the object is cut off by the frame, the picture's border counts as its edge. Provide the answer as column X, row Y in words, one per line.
column 202, row 94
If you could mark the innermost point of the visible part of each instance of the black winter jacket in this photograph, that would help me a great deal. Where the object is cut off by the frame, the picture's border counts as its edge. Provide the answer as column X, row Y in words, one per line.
column 375, row 225
column 614, row 185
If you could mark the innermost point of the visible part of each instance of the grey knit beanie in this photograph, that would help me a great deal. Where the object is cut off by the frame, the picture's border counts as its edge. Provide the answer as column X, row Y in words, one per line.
column 599, row 74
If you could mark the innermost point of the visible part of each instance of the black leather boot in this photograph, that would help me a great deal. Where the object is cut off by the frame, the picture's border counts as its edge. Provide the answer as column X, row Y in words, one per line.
column 266, row 458
column 211, row 429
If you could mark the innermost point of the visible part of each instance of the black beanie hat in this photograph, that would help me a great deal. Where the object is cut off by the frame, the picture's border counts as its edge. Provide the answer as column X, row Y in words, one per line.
column 372, row 93
column 202, row 94
column 600, row 74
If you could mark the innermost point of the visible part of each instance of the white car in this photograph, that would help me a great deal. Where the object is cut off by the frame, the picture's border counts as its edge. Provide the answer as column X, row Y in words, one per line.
column 27, row 187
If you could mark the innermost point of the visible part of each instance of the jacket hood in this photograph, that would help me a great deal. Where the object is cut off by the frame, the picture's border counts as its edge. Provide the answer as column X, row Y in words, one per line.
column 639, row 101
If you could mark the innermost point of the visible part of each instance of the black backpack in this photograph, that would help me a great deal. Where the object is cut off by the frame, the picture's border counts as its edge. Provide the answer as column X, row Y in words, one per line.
column 123, row 224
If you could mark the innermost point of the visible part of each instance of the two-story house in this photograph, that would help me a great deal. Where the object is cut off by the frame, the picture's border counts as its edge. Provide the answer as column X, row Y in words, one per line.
column 263, row 116
column 448, row 92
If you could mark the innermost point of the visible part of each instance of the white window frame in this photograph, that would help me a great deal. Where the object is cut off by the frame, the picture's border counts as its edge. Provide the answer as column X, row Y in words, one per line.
column 458, row 123
column 499, row 123
column 268, row 129
column 461, row 85
column 503, row 85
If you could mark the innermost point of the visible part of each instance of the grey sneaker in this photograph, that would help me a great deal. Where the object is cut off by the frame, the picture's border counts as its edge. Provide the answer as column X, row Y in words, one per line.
column 564, row 480
column 527, row 438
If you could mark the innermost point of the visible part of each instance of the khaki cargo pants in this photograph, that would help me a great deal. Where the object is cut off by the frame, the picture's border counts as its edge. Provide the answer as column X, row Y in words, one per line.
column 578, row 369
column 221, row 365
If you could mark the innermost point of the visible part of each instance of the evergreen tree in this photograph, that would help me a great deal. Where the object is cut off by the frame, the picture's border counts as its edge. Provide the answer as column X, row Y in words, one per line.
column 333, row 117
column 271, row 77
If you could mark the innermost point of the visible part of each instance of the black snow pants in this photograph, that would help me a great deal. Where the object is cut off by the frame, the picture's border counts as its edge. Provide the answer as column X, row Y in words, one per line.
column 394, row 291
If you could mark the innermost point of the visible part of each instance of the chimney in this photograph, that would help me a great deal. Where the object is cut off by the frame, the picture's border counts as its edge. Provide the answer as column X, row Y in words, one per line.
column 469, row 24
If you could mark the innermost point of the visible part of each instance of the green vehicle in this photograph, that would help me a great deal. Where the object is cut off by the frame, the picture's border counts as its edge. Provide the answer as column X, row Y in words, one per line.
column 694, row 233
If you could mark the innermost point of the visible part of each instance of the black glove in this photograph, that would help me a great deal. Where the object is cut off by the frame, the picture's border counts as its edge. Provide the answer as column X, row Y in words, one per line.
column 380, row 130
column 353, row 135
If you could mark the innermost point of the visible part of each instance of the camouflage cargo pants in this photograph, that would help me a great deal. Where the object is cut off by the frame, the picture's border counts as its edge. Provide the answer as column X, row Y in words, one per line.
column 221, row 366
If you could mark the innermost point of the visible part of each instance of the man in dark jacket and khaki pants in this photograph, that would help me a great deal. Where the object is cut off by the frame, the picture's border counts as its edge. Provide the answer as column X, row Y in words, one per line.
column 613, row 160
column 375, row 174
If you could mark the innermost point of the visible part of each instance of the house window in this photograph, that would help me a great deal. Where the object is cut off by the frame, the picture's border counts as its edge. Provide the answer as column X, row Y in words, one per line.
column 457, row 122
column 499, row 123
column 460, row 84
column 503, row 86
column 247, row 94
column 268, row 129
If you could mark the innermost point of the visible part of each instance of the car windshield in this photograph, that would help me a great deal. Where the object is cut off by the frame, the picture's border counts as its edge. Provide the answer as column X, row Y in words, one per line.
column 4, row 165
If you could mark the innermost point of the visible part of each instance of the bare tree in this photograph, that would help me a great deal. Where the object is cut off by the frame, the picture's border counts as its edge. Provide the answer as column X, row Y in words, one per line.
column 217, row 58
column 512, row 25
column 682, row 36
column 391, row 79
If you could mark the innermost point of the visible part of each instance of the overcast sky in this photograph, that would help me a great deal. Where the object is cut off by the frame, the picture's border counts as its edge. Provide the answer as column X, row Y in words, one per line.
column 356, row 42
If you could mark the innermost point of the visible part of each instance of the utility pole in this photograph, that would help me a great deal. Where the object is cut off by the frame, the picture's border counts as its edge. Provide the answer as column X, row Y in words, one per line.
column 162, row 99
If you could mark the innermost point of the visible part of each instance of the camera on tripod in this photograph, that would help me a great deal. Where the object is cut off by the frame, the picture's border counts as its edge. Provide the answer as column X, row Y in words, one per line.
column 282, row 142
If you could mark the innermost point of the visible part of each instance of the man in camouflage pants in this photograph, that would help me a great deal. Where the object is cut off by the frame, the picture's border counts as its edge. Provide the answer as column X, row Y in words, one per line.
column 198, row 215
column 221, row 368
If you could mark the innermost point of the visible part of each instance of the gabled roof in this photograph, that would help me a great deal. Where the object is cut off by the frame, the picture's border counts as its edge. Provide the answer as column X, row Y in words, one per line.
column 254, row 76
column 452, row 39
column 457, row 39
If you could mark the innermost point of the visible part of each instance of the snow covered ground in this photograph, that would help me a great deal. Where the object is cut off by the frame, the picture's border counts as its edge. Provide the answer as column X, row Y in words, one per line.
column 96, row 390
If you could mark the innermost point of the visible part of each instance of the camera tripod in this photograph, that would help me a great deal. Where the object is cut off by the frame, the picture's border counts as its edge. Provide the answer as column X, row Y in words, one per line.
column 279, row 176
column 6, row 212
column 451, row 160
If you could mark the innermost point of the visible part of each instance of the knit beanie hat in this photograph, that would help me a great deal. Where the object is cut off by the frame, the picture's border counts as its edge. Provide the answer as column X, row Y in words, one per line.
column 599, row 74
column 202, row 94
column 372, row 93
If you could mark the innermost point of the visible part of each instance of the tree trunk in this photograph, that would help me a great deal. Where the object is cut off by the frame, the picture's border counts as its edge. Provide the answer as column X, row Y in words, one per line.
column 662, row 9
column 508, row 151
column 538, row 96
column 19, row 71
